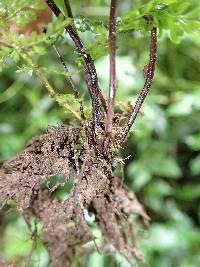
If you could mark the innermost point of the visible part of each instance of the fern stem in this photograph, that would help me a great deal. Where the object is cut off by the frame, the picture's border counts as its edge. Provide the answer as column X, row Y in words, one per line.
column 91, row 74
column 112, row 85
column 148, row 82
column 68, row 8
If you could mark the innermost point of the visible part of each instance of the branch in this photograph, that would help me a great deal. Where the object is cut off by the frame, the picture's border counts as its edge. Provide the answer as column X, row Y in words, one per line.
column 112, row 84
column 92, row 80
column 148, row 82
column 70, row 80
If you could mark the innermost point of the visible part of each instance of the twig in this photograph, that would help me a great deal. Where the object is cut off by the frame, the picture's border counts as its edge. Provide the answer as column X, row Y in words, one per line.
column 70, row 80
column 148, row 82
column 68, row 7
column 112, row 85
column 92, row 79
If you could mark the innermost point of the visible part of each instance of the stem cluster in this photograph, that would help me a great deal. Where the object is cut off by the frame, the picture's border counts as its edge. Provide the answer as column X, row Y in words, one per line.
column 91, row 78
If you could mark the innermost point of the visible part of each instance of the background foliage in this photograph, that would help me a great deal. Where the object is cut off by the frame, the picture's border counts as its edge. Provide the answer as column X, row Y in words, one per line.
column 163, row 165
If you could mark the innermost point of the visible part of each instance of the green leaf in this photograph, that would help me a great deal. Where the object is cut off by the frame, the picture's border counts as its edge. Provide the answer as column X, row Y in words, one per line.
column 195, row 166
column 166, row 167
column 184, row 105
column 69, row 99
column 15, row 56
column 193, row 141
column 189, row 192
column 139, row 174
column 40, row 50
column 25, row 69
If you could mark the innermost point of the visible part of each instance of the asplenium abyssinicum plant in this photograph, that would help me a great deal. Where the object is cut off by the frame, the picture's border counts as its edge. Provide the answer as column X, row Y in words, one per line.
column 89, row 152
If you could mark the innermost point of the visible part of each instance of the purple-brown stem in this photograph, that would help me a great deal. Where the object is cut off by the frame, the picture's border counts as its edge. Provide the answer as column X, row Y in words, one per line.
column 112, row 83
column 92, row 79
column 148, row 82
column 101, row 95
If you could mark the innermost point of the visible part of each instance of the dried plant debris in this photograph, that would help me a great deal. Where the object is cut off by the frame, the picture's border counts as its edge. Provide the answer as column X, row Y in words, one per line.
column 74, row 153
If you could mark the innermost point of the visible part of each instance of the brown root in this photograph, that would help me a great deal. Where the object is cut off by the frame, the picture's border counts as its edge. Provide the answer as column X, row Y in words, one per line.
column 72, row 152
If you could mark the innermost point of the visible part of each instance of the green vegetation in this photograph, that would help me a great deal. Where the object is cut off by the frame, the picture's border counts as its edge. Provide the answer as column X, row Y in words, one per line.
column 163, row 160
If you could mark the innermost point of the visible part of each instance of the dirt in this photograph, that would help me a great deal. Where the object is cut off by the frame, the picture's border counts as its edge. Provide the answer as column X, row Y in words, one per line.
column 75, row 153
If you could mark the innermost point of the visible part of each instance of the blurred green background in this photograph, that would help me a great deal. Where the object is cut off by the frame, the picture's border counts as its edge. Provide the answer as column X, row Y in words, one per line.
column 164, row 164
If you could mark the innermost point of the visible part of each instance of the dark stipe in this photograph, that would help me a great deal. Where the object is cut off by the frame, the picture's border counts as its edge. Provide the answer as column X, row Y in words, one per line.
column 92, row 80
column 148, row 82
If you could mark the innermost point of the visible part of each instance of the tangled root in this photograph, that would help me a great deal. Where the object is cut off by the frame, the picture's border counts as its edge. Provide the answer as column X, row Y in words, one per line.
column 72, row 152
